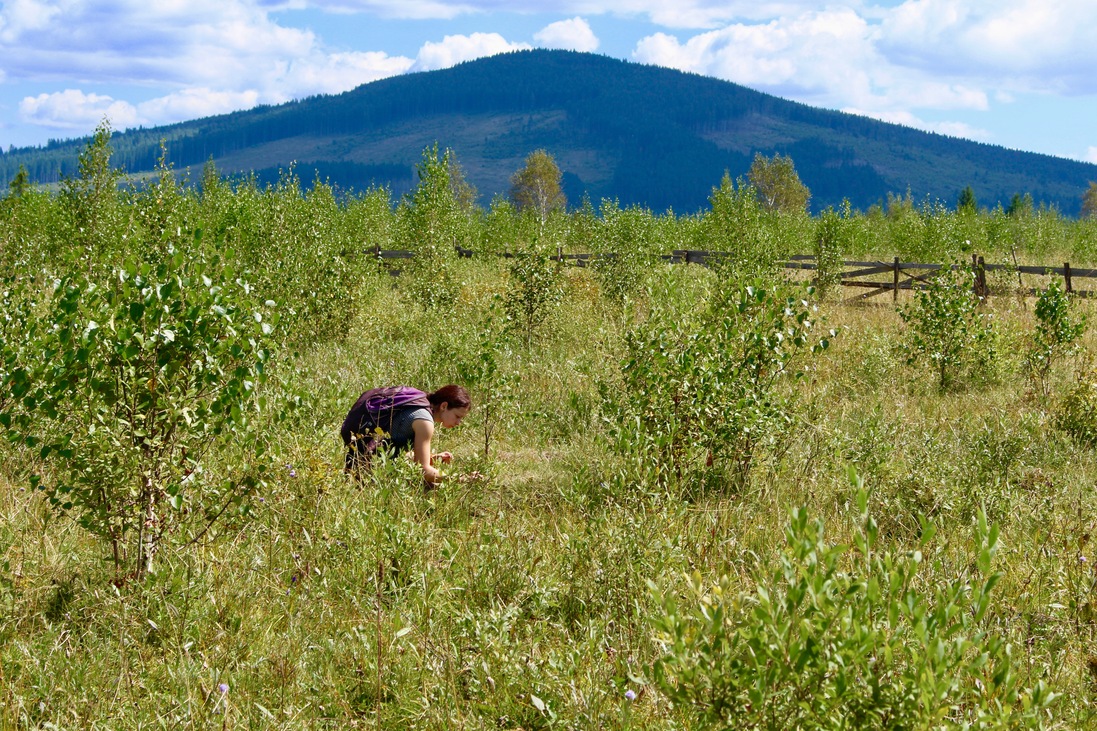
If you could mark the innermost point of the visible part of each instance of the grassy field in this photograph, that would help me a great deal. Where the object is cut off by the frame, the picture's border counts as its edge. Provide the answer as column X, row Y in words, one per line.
column 678, row 502
column 524, row 599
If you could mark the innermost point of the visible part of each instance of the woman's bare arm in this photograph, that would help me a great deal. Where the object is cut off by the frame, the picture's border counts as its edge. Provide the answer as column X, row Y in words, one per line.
column 424, row 432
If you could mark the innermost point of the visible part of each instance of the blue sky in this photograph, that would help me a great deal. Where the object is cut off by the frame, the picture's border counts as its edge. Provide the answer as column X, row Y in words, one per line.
column 1018, row 73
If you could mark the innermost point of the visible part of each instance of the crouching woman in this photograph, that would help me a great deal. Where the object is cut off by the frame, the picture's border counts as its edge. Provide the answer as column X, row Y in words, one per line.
column 398, row 417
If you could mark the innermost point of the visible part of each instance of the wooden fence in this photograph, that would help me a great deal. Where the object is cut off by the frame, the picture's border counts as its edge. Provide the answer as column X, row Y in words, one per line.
column 879, row 277
column 579, row 260
column 882, row 277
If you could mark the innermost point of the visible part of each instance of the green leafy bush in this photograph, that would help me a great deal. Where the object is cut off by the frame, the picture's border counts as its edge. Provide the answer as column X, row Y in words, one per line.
column 830, row 244
column 947, row 327
column 126, row 385
column 303, row 246
column 737, row 225
column 93, row 213
column 164, row 209
column 489, row 373
column 431, row 225
column 626, row 252
column 1076, row 412
column 834, row 638
column 712, row 391
column 535, row 289
column 1057, row 331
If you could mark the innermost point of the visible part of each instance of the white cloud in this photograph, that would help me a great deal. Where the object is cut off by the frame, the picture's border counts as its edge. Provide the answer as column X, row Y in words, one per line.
column 392, row 9
column 896, row 63
column 572, row 35
column 679, row 14
column 452, row 50
column 806, row 55
column 338, row 72
column 827, row 58
column 1091, row 155
column 208, row 56
column 191, row 104
column 908, row 119
column 20, row 16
column 216, row 42
column 888, row 58
column 74, row 110
column 713, row 13
column 1017, row 44
column 958, row 129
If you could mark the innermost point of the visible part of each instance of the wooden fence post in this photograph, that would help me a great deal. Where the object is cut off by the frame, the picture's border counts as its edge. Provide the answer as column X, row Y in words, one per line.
column 895, row 281
column 978, row 265
column 1066, row 276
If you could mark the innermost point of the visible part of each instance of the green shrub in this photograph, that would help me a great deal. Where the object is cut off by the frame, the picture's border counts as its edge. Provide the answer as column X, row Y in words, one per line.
column 30, row 223
column 710, row 392
column 737, row 225
column 834, row 638
column 18, row 295
column 304, row 249
column 831, row 232
column 93, row 214
column 431, row 224
column 490, row 375
column 125, row 386
column 947, row 327
column 1076, row 412
column 627, row 252
column 535, row 289
column 164, row 210
column 1057, row 331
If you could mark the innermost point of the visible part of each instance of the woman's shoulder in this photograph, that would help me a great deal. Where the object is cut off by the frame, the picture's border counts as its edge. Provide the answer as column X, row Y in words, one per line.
column 422, row 428
column 408, row 417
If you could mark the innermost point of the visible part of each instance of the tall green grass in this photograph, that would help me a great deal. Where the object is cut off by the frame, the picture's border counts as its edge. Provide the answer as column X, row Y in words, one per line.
column 534, row 593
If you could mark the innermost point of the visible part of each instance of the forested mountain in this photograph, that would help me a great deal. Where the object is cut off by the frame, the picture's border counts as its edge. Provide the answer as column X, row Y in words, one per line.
column 640, row 134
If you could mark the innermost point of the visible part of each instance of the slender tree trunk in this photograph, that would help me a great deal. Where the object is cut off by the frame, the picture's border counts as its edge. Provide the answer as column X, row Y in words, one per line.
column 149, row 535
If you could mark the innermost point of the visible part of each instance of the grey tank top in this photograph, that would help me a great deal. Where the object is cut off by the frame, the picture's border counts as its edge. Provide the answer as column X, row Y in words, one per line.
column 402, row 436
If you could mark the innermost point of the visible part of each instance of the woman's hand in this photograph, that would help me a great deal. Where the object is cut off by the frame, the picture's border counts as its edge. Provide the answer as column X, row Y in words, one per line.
column 443, row 457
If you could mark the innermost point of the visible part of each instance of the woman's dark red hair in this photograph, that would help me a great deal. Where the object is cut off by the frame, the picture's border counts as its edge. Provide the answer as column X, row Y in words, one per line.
column 454, row 396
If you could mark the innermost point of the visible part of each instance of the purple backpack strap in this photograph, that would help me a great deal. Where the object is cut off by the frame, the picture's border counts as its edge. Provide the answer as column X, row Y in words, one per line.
column 389, row 398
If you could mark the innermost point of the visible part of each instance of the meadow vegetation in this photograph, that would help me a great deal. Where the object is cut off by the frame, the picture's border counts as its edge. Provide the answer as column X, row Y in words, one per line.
column 685, row 497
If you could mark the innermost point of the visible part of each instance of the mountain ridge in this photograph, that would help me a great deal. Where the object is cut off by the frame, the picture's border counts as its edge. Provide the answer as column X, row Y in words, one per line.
column 639, row 134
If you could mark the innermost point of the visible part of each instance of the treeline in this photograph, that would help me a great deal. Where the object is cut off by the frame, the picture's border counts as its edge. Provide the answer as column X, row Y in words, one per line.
column 287, row 212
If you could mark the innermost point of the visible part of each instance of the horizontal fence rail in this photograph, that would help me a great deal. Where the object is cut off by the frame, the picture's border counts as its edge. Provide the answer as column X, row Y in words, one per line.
column 897, row 275
column 902, row 275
